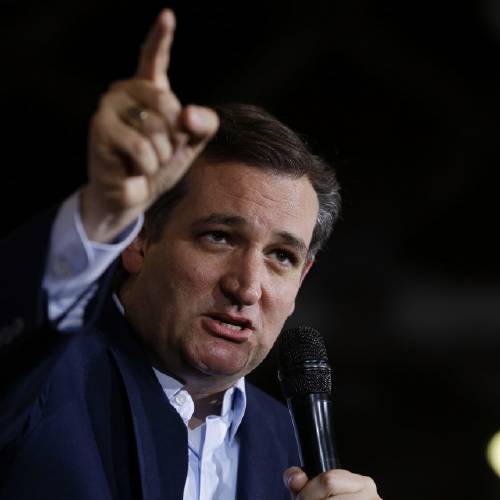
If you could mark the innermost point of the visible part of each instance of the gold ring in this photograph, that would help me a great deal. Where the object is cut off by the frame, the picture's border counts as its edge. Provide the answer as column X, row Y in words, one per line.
column 136, row 116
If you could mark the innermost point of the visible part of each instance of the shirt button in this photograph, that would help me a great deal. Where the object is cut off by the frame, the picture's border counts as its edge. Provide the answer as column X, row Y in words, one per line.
column 180, row 399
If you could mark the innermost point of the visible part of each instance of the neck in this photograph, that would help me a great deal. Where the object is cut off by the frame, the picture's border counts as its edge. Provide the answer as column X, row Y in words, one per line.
column 205, row 405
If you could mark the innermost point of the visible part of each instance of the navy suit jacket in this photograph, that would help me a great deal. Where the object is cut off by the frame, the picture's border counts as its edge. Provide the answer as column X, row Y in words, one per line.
column 82, row 415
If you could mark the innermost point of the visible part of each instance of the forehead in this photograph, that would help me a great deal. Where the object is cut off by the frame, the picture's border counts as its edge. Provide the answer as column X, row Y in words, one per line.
column 263, row 198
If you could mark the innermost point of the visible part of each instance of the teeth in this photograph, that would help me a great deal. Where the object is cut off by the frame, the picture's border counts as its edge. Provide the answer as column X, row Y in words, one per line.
column 231, row 326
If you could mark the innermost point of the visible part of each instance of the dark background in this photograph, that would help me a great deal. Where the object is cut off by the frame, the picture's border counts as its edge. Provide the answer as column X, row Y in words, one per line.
column 404, row 97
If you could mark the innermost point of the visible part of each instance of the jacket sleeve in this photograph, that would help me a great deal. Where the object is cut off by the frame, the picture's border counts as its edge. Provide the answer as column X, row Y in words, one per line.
column 29, row 345
column 22, row 304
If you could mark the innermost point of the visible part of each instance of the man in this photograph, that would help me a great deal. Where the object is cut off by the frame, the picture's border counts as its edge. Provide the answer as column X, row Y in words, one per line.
column 201, row 295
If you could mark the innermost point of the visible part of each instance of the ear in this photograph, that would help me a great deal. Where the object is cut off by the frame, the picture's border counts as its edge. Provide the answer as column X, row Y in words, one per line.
column 307, row 266
column 133, row 256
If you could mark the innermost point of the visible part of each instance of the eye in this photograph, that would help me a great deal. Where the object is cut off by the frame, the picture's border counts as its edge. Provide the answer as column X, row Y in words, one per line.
column 217, row 237
column 285, row 257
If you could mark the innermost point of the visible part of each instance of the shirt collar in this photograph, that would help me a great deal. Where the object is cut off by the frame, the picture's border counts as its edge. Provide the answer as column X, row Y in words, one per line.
column 233, row 403
column 238, row 405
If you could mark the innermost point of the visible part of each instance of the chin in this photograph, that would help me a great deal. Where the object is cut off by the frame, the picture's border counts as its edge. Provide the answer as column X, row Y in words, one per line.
column 214, row 357
column 222, row 368
column 232, row 367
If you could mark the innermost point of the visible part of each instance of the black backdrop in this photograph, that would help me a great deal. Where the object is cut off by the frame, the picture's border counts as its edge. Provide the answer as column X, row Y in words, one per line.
column 405, row 98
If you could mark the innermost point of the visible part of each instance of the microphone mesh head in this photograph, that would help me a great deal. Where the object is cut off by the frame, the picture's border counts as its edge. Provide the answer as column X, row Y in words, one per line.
column 303, row 362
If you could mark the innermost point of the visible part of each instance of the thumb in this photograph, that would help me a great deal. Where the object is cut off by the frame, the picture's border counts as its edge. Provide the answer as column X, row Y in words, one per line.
column 199, row 122
column 295, row 479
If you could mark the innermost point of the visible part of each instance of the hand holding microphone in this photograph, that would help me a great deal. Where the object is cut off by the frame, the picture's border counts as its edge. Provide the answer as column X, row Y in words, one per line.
column 305, row 377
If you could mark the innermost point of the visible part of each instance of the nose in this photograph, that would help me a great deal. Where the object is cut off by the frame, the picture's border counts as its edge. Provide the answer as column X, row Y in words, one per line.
column 242, row 282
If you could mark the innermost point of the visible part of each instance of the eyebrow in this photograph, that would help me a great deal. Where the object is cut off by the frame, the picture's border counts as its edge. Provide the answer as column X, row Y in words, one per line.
column 225, row 219
column 235, row 220
column 293, row 241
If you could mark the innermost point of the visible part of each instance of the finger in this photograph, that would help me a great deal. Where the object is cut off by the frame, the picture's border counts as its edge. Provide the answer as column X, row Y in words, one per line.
column 199, row 122
column 164, row 102
column 155, row 52
column 295, row 479
column 356, row 496
column 202, row 123
column 116, row 136
column 140, row 152
column 338, row 482
column 135, row 189
column 147, row 122
column 172, row 172
column 152, row 126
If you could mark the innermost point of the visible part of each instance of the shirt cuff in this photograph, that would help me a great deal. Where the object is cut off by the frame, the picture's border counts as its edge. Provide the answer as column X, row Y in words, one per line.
column 74, row 261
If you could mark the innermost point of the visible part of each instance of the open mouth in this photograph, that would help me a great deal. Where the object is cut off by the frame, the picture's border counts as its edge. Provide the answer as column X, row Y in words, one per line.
column 231, row 325
column 234, row 322
column 228, row 327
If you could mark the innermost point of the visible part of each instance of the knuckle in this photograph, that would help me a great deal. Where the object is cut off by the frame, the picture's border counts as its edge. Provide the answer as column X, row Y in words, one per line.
column 146, row 159
column 167, row 104
column 153, row 123
column 369, row 483
column 327, row 481
column 140, row 149
column 126, row 196
column 161, row 101
column 165, row 151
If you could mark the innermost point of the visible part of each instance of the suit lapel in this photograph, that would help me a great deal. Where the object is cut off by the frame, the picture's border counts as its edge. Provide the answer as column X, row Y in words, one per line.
column 160, row 434
column 263, row 457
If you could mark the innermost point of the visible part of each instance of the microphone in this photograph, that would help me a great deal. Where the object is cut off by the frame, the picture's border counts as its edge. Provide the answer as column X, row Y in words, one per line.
column 306, row 382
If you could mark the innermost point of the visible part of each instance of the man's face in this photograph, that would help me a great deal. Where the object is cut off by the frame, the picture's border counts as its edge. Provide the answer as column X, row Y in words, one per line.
column 210, row 298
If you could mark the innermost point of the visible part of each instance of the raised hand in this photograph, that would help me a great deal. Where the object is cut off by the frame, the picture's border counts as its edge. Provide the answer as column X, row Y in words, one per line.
column 142, row 140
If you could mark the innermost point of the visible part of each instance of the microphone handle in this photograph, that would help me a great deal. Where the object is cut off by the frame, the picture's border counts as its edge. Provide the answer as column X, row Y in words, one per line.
column 312, row 418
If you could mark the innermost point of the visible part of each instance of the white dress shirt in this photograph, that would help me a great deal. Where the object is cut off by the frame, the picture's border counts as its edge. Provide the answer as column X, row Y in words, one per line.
column 213, row 446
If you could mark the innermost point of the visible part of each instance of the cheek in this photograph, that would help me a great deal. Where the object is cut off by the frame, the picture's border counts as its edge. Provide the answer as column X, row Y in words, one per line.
column 278, row 309
column 192, row 274
column 283, row 299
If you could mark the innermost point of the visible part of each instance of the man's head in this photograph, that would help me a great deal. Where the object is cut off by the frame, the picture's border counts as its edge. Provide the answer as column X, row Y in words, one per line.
column 215, row 273
column 250, row 135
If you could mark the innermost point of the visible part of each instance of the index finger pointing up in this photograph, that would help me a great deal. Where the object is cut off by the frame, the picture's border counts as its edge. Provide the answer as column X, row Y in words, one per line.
column 155, row 52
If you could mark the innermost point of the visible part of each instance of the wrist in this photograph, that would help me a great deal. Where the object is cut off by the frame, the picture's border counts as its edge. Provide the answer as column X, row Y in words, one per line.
column 101, row 223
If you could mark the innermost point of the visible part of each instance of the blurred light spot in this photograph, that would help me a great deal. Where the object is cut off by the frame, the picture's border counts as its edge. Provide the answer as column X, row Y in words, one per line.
column 493, row 453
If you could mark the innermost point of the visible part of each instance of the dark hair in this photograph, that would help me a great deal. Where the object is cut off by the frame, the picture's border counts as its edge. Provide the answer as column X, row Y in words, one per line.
column 250, row 135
